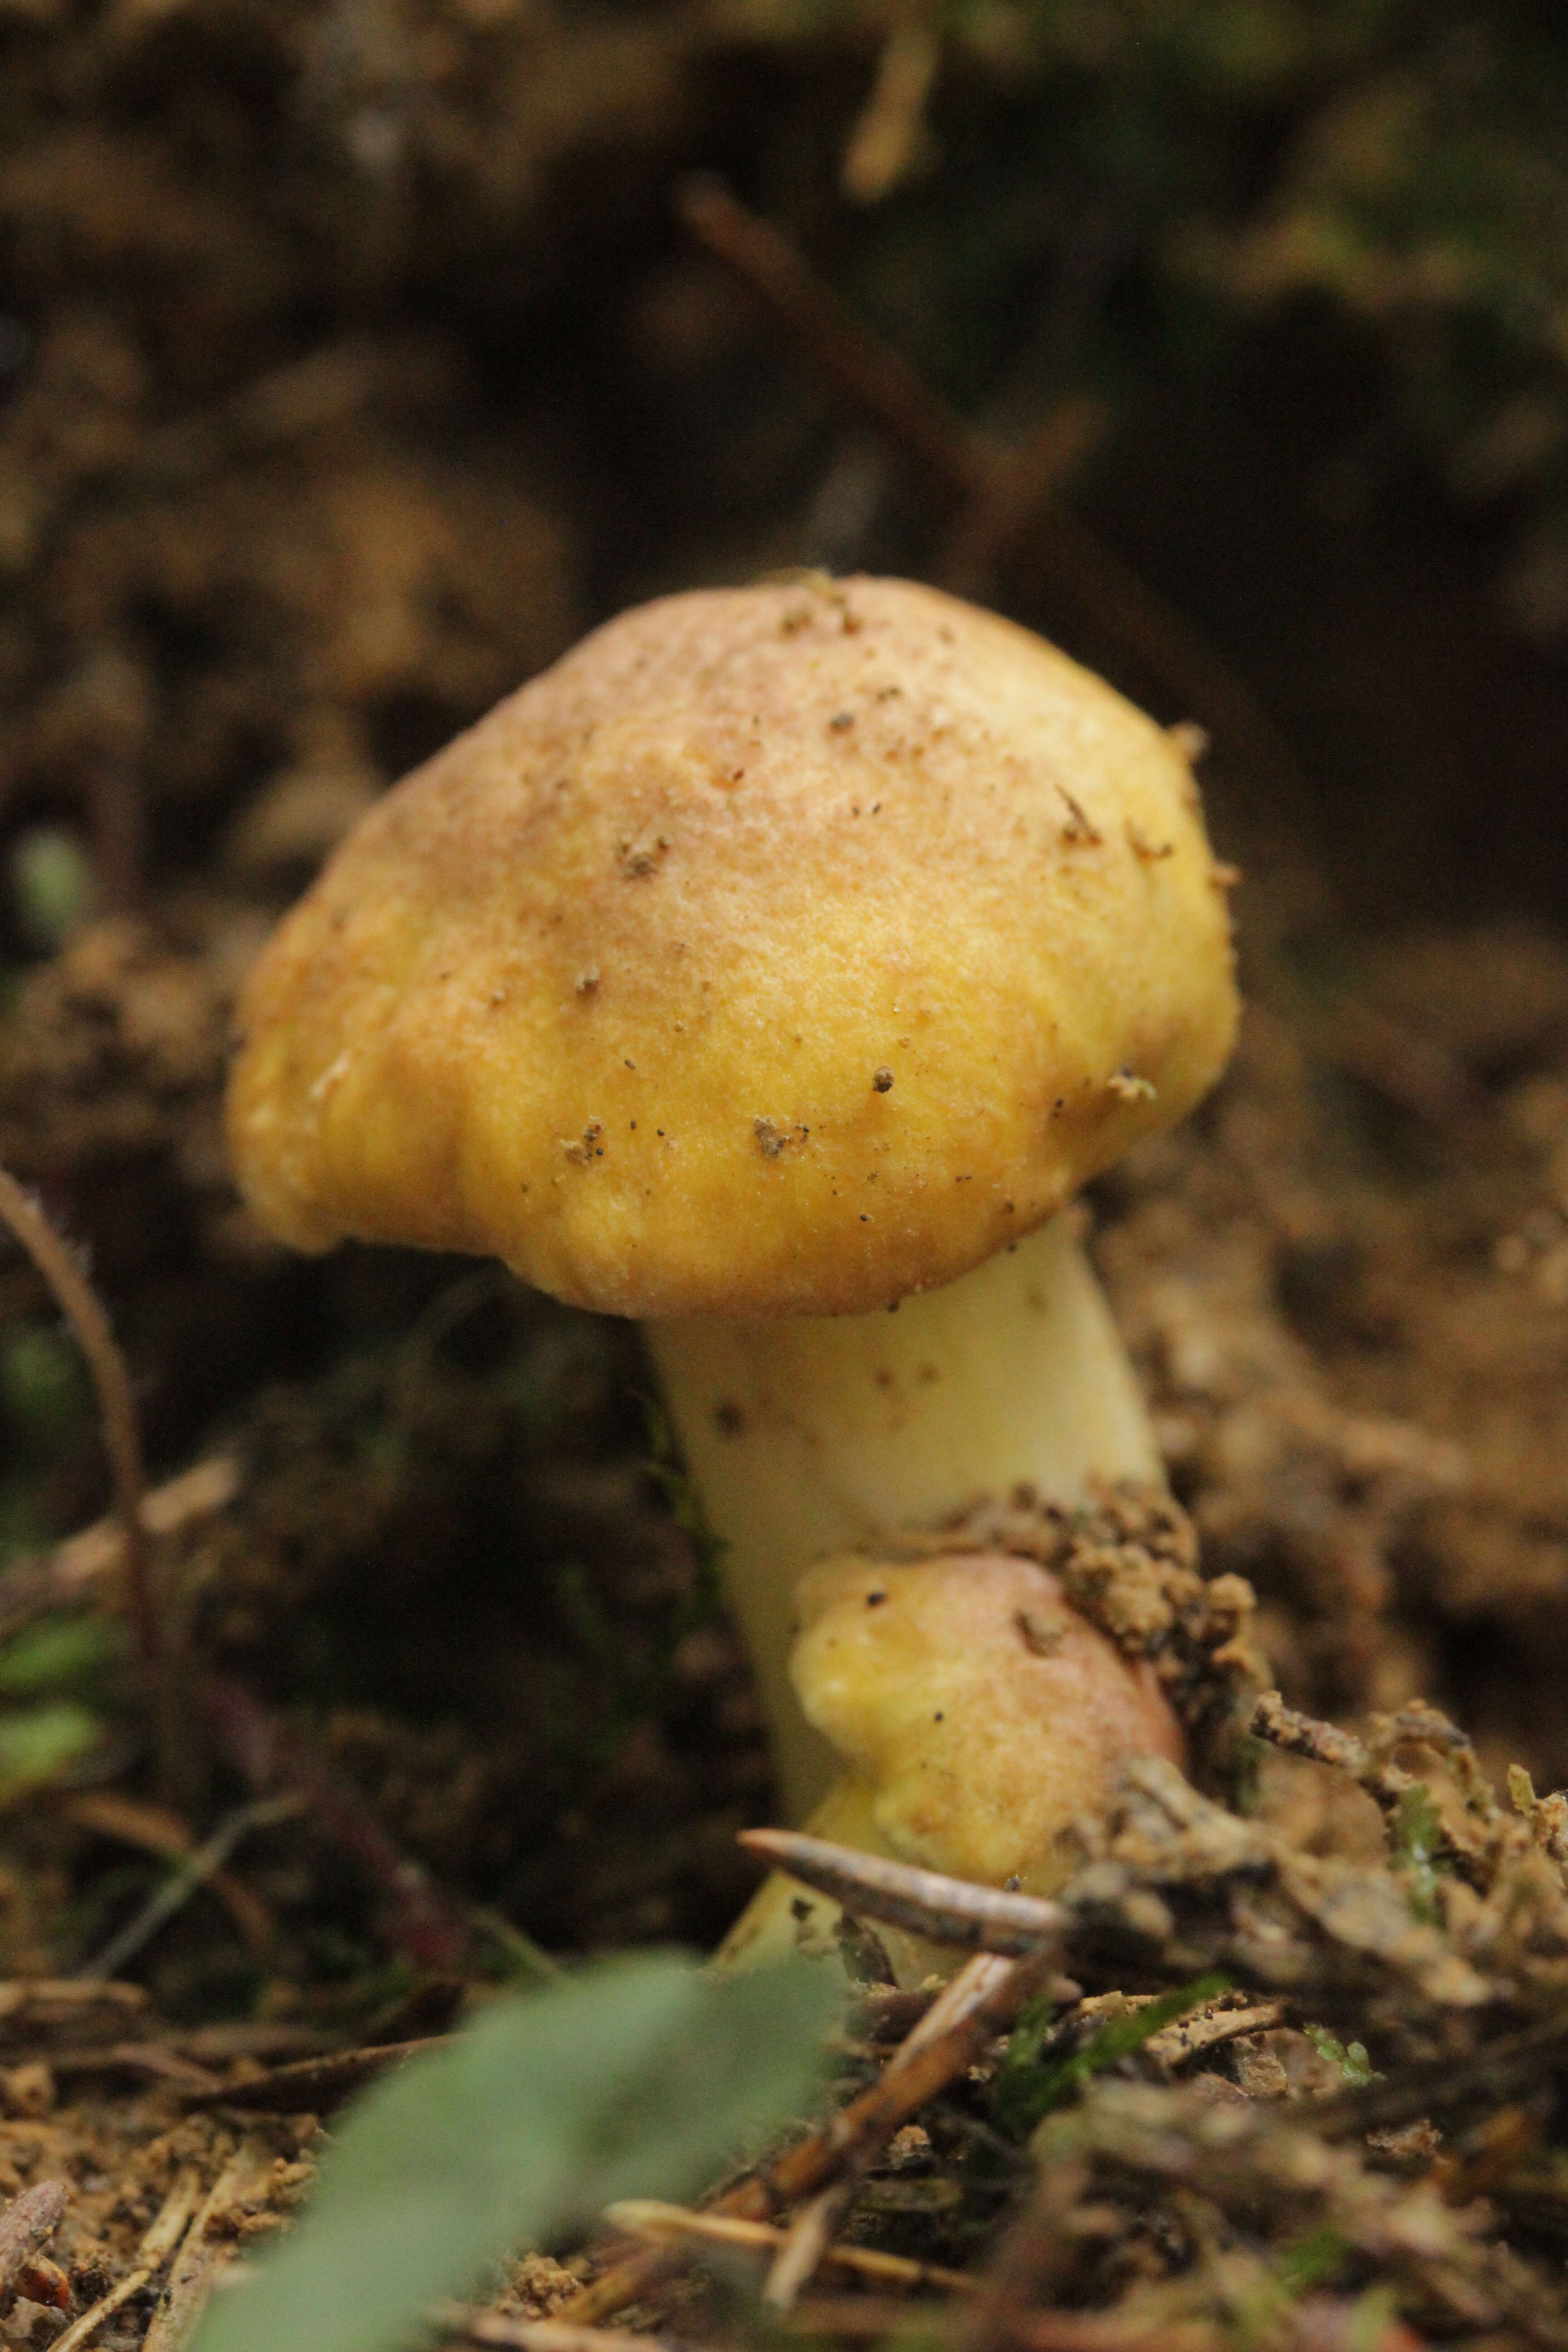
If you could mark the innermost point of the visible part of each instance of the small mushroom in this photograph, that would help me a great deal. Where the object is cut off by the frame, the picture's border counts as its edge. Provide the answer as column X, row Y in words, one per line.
column 943, row 893
column 977, row 1717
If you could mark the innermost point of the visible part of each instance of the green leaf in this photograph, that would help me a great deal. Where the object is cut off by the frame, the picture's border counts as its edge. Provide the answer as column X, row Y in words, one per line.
column 40, row 1741
column 59, row 1654
column 1118, row 2038
column 1351, row 2061
column 638, row 2078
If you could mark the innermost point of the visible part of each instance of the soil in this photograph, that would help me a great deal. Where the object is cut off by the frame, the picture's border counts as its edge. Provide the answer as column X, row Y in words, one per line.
column 348, row 368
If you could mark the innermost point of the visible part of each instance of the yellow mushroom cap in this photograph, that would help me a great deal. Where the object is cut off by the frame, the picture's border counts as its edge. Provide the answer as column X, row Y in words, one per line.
column 978, row 1713
column 782, row 950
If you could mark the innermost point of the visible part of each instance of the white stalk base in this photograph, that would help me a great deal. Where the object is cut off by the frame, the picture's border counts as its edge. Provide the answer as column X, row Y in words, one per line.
column 808, row 1436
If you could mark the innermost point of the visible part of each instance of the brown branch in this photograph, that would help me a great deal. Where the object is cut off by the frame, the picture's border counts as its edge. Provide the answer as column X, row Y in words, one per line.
column 1020, row 482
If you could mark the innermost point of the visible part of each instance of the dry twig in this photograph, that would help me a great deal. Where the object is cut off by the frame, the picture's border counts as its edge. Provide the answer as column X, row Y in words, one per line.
column 151, row 2255
column 511, row 2335
column 151, row 2062
column 63, row 1576
column 983, row 2000
column 1208, row 2029
column 677, row 2225
column 945, row 1910
column 315, row 2086
column 35, row 2005
column 204, row 2252
column 807, row 2244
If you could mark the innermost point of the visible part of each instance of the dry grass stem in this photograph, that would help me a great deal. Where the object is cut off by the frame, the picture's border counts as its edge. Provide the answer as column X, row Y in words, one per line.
column 869, row 374
column 156, row 1829
column 1006, row 491
column 196, row 1494
column 808, row 2241
column 85, row 1312
column 203, row 1863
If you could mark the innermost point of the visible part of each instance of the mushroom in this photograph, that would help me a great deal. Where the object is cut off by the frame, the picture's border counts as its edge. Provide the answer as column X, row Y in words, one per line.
column 773, row 968
column 977, row 1717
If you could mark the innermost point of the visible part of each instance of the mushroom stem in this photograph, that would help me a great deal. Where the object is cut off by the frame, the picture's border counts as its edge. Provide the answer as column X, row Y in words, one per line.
column 812, row 1435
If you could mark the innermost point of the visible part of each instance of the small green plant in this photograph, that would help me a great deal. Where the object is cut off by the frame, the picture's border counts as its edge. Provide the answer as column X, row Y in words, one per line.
column 1312, row 2259
column 1017, row 2088
column 1262, row 2308
column 1417, row 1837
column 1027, row 2091
column 56, row 1686
column 639, row 2078
column 1350, row 2058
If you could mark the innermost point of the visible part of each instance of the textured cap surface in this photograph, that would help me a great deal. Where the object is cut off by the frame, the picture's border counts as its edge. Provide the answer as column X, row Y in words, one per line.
column 782, row 950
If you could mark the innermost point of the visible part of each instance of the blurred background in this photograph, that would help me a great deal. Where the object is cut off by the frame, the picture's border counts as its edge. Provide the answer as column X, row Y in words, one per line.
column 355, row 355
